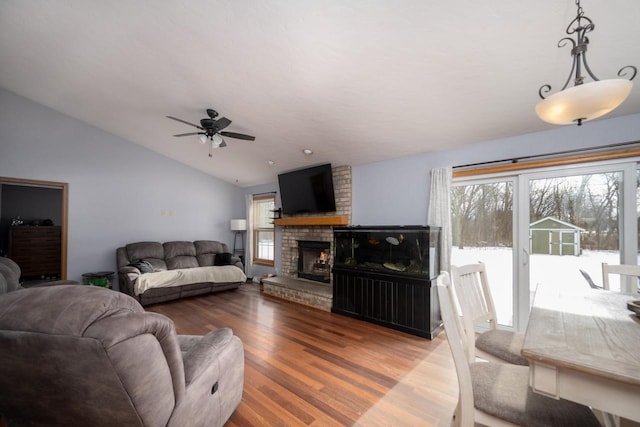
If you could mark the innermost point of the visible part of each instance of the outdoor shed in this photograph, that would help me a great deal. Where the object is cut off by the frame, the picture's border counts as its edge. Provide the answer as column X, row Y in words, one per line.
column 551, row 236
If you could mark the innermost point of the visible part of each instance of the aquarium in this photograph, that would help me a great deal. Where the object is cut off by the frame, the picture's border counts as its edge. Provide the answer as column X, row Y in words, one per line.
column 404, row 250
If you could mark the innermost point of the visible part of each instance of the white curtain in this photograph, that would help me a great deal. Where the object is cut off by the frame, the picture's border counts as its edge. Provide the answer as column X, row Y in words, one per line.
column 440, row 211
column 248, row 251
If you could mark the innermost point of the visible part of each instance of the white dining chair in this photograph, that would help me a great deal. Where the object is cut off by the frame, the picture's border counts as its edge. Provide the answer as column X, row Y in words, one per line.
column 478, row 312
column 498, row 394
column 628, row 273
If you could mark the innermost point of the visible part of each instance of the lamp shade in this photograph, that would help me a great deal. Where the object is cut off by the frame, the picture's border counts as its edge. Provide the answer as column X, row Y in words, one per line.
column 238, row 224
column 584, row 102
column 216, row 139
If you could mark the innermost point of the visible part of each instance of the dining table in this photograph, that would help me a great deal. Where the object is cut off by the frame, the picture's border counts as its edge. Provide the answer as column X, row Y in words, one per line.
column 583, row 345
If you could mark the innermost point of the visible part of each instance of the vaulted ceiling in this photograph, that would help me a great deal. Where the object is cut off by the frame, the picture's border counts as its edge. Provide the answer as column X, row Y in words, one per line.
column 355, row 81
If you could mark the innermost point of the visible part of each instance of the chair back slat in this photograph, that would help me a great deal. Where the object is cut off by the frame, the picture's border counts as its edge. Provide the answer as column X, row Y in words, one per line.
column 629, row 275
column 472, row 288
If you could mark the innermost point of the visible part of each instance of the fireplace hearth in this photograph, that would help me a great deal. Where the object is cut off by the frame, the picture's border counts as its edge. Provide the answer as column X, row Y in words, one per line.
column 313, row 260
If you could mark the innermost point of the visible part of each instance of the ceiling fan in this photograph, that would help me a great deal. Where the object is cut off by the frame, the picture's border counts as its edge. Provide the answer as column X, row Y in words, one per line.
column 211, row 129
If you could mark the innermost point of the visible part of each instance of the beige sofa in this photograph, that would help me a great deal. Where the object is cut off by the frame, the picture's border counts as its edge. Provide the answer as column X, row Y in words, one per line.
column 179, row 269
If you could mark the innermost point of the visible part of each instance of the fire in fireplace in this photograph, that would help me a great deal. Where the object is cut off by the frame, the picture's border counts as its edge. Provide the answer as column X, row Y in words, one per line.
column 313, row 260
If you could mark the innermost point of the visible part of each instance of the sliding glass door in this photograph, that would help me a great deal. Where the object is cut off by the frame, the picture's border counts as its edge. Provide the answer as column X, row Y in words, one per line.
column 575, row 224
column 547, row 226
column 482, row 228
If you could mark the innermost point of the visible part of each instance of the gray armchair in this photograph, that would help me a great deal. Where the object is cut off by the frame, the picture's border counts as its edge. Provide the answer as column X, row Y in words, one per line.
column 10, row 277
column 83, row 355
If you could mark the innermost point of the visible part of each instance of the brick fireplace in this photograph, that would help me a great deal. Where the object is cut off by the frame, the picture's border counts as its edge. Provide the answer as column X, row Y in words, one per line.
column 316, row 228
column 291, row 235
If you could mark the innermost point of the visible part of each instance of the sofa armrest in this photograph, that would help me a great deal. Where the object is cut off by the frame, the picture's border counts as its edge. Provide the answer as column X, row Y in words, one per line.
column 214, row 375
column 237, row 262
column 127, row 276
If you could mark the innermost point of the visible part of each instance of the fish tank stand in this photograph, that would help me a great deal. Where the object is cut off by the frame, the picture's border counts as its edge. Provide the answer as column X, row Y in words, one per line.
column 387, row 275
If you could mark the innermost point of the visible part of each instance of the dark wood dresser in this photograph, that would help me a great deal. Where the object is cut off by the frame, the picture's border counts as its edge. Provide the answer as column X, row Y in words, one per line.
column 36, row 249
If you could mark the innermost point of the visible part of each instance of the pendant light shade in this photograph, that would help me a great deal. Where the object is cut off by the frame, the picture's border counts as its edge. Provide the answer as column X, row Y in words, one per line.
column 584, row 102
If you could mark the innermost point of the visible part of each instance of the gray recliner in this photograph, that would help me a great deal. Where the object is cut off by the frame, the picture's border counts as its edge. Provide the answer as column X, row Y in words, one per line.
column 82, row 355
column 10, row 277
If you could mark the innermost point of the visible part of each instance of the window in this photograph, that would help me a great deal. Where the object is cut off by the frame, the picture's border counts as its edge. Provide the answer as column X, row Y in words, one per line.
column 263, row 230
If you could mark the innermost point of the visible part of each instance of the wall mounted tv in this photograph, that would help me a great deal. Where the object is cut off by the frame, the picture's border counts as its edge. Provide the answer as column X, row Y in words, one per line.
column 307, row 190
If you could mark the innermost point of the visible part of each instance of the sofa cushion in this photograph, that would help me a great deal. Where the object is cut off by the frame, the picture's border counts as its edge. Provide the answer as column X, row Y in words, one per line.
column 206, row 251
column 209, row 247
column 206, row 260
column 179, row 262
column 180, row 255
column 174, row 249
column 152, row 252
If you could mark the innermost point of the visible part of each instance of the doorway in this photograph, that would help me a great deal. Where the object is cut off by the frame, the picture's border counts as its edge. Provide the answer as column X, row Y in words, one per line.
column 44, row 203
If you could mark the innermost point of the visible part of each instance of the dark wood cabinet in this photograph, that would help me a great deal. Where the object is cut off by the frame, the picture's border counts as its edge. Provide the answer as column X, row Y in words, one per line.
column 386, row 275
column 36, row 250
column 403, row 303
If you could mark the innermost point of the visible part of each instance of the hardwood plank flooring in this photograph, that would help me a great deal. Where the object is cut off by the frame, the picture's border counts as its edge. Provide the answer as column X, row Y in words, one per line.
column 305, row 366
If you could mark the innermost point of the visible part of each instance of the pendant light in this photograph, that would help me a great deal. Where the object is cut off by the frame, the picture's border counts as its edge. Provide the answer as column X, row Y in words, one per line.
column 583, row 101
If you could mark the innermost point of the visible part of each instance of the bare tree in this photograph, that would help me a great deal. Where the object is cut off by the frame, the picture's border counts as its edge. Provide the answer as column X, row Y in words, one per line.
column 483, row 213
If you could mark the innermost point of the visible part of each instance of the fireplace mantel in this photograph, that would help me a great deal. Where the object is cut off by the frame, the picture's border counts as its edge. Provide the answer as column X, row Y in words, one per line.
column 313, row 220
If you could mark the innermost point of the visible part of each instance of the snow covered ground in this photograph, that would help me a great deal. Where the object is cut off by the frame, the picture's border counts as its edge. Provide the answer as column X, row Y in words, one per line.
column 562, row 270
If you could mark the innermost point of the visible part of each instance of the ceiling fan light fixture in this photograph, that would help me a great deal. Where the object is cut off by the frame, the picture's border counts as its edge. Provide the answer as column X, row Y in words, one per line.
column 216, row 140
column 210, row 129
column 583, row 101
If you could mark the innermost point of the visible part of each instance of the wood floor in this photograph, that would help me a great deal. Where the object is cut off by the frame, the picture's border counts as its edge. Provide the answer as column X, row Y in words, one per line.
column 304, row 366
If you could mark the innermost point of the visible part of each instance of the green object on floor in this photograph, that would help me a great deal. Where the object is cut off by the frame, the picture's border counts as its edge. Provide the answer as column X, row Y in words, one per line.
column 102, row 279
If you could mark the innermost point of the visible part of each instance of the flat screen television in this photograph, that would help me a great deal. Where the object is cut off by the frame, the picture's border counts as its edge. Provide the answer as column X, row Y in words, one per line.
column 307, row 190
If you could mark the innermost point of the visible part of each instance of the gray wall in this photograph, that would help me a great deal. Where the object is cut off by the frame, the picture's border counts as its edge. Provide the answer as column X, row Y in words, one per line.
column 117, row 190
column 397, row 191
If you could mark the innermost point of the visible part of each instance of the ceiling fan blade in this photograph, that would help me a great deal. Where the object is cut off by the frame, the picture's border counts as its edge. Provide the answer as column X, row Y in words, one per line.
column 238, row 136
column 183, row 121
column 190, row 133
column 222, row 123
column 222, row 144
